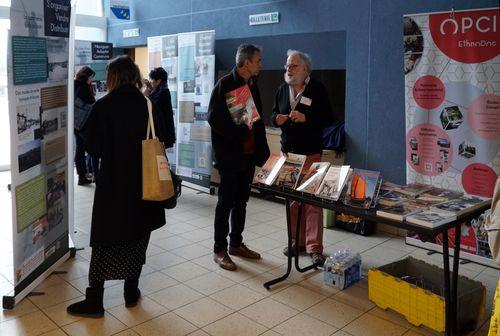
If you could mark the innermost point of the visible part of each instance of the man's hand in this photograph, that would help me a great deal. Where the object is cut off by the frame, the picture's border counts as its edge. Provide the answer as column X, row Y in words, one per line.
column 297, row 117
column 281, row 119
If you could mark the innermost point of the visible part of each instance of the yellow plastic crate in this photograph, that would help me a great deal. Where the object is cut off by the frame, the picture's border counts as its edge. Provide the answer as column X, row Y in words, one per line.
column 495, row 316
column 420, row 306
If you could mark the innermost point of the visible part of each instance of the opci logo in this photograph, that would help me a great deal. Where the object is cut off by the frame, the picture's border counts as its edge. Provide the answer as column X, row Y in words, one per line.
column 467, row 37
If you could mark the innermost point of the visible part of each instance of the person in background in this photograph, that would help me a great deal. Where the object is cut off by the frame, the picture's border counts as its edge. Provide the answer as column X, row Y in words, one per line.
column 237, row 148
column 302, row 109
column 160, row 95
column 83, row 90
column 121, row 221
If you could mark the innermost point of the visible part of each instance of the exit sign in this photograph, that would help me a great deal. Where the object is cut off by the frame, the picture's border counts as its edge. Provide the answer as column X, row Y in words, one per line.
column 134, row 32
column 264, row 18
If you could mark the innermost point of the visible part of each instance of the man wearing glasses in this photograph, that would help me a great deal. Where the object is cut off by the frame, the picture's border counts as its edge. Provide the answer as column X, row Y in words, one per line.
column 302, row 109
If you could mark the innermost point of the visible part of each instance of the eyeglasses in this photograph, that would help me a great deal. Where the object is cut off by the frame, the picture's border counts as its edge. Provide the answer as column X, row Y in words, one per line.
column 291, row 66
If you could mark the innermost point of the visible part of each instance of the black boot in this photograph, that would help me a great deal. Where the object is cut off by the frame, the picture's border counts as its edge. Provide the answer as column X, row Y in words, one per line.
column 82, row 180
column 131, row 293
column 91, row 306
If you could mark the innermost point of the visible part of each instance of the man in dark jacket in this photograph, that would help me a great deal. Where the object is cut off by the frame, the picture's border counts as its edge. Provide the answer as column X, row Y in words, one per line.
column 302, row 109
column 237, row 148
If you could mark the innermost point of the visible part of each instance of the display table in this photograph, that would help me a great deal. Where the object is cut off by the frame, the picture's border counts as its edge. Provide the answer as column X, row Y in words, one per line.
column 450, row 286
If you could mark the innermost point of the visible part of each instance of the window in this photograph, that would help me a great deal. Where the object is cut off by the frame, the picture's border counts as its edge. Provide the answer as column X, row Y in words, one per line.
column 88, row 25
column 90, row 34
column 88, row 7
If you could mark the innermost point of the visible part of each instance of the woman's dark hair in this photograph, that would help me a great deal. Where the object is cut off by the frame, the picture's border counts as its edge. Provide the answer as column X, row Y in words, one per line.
column 84, row 73
column 121, row 71
column 158, row 73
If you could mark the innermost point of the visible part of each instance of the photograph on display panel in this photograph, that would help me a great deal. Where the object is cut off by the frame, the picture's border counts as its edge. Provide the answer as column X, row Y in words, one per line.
column 29, row 155
column 57, row 53
column 28, row 120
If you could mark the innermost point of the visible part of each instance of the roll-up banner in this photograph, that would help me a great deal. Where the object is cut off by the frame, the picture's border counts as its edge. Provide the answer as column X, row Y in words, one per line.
column 37, row 90
column 162, row 52
column 189, row 59
column 452, row 93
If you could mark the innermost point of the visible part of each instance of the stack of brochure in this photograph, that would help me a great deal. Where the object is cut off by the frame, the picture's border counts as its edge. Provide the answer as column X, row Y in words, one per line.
column 429, row 218
column 414, row 189
column 440, row 195
column 333, row 182
column 397, row 211
column 404, row 208
column 426, row 205
column 391, row 197
column 269, row 171
column 290, row 171
column 461, row 205
column 312, row 179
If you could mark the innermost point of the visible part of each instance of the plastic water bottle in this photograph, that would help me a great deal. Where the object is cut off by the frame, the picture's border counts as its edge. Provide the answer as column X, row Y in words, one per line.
column 342, row 268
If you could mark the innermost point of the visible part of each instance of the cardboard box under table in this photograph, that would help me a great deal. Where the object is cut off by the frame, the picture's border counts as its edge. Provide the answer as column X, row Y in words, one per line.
column 415, row 289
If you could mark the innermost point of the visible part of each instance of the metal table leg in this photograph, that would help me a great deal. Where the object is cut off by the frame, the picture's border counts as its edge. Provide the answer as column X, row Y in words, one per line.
column 454, row 279
column 268, row 284
column 295, row 252
column 447, row 296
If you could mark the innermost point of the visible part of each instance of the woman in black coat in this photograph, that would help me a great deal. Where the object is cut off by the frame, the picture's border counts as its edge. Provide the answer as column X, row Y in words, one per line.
column 160, row 95
column 83, row 90
column 121, row 220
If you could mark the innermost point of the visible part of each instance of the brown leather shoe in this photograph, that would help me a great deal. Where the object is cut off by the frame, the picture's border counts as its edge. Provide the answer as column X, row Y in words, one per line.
column 244, row 252
column 224, row 261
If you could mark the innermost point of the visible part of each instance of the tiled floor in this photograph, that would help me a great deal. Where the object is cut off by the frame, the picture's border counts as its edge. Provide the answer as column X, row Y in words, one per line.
column 185, row 293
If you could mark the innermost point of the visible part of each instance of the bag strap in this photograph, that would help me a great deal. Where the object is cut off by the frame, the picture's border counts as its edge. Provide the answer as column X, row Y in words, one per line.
column 151, row 125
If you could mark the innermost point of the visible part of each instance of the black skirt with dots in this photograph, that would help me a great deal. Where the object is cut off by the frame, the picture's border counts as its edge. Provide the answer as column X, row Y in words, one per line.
column 118, row 262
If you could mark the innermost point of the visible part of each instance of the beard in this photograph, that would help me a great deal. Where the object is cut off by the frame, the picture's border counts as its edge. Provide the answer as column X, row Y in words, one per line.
column 290, row 80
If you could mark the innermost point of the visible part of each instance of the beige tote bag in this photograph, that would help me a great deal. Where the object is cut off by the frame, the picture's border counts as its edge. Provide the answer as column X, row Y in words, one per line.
column 156, row 179
column 493, row 224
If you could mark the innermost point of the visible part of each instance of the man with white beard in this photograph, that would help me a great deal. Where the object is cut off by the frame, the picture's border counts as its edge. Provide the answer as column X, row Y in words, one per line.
column 302, row 109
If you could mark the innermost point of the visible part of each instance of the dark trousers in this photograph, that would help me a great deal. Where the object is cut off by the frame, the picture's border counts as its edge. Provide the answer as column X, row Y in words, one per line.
column 234, row 191
column 80, row 154
column 92, row 164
